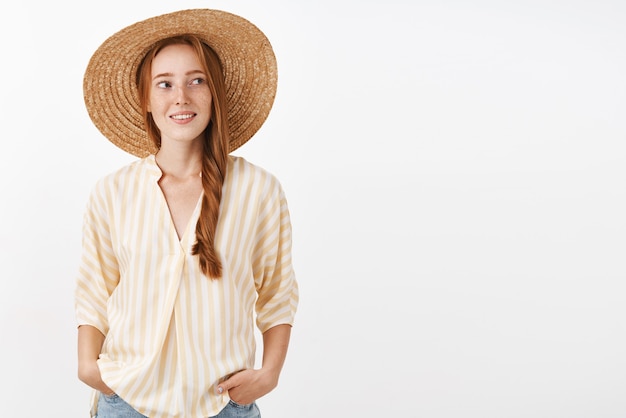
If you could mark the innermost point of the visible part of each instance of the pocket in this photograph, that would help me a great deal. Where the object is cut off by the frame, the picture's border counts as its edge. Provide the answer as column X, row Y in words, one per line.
column 110, row 398
column 245, row 411
column 237, row 405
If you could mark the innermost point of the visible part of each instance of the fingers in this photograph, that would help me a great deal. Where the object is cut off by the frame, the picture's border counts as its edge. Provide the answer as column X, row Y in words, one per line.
column 227, row 384
column 236, row 380
column 246, row 386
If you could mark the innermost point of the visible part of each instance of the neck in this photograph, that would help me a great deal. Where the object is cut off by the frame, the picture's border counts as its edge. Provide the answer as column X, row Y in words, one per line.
column 181, row 163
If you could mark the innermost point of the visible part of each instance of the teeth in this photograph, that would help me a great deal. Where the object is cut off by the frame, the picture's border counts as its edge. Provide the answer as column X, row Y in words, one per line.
column 180, row 117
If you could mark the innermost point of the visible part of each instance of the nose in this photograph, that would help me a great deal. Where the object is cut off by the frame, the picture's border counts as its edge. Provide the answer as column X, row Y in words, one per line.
column 181, row 96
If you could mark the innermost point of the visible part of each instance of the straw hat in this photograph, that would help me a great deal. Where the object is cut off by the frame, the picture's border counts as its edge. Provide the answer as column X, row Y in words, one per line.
column 247, row 57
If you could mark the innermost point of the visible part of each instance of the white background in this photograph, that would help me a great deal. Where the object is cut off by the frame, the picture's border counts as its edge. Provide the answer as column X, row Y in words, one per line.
column 455, row 172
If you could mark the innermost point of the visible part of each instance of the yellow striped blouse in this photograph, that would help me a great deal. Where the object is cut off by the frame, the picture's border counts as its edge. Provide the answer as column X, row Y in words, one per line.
column 172, row 334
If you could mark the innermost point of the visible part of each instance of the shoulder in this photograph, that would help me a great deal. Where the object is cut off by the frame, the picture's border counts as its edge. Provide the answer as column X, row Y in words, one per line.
column 129, row 173
column 242, row 171
column 241, row 164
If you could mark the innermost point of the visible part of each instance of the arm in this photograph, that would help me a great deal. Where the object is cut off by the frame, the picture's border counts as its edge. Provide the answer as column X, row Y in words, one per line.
column 249, row 385
column 90, row 341
column 98, row 275
column 275, row 344
column 277, row 298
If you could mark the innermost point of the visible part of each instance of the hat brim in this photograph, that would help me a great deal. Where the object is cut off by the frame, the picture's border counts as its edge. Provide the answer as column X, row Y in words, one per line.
column 249, row 64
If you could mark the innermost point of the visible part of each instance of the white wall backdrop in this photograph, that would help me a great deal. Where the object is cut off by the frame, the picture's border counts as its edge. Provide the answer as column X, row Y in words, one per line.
column 456, row 178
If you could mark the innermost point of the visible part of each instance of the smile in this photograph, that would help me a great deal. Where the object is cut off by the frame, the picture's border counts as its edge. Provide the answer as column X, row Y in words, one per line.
column 182, row 117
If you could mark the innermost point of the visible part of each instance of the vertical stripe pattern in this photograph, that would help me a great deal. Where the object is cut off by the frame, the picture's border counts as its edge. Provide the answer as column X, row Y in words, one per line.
column 172, row 334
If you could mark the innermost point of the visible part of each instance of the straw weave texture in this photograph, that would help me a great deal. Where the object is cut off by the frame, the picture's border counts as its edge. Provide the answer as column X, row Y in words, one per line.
column 250, row 73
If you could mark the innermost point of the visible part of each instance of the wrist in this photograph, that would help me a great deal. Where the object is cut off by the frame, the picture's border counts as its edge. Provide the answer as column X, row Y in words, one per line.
column 270, row 375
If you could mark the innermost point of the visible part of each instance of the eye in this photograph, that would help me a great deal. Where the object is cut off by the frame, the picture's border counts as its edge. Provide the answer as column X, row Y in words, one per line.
column 163, row 84
column 198, row 81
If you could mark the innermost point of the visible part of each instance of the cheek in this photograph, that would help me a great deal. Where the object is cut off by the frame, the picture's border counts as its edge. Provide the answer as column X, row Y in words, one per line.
column 203, row 99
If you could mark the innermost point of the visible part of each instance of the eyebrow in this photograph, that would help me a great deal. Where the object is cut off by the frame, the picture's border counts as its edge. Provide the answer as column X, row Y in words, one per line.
column 172, row 74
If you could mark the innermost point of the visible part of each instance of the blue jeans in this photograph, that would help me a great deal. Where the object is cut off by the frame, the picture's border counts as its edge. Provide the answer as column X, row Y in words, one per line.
column 115, row 407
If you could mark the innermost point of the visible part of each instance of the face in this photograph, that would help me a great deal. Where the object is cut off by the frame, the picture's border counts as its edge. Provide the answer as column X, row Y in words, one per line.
column 180, row 100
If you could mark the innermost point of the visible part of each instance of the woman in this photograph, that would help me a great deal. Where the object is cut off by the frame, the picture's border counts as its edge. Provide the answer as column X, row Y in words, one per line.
column 187, row 247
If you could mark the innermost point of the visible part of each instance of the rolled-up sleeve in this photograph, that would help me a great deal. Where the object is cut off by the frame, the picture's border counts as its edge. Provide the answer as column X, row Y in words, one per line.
column 275, row 279
column 98, row 272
